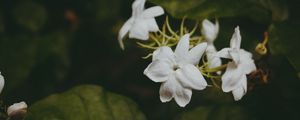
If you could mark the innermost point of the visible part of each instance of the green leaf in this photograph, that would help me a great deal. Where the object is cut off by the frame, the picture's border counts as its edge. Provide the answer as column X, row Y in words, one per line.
column 259, row 10
column 86, row 102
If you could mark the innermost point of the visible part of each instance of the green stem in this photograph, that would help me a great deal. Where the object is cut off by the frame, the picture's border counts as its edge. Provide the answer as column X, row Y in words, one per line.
column 216, row 69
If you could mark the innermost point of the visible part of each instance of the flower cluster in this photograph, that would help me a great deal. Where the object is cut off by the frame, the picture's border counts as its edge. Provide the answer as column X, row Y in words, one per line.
column 194, row 60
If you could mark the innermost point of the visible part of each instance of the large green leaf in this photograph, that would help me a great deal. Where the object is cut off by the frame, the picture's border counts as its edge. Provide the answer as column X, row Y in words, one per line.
column 86, row 102
column 260, row 10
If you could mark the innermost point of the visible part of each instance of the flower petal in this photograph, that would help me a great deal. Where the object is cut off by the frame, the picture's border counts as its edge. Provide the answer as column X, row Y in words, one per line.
column 241, row 90
column 124, row 30
column 224, row 53
column 238, row 93
column 2, row 82
column 235, row 41
column 152, row 25
column 158, row 70
column 182, row 47
column 182, row 96
column 167, row 89
column 153, row 12
column 190, row 77
column 164, row 52
column 235, row 55
column 213, row 60
column 248, row 66
column 195, row 53
column 232, row 77
column 139, row 30
column 247, row 63
column 210, row 30
column 138, row 7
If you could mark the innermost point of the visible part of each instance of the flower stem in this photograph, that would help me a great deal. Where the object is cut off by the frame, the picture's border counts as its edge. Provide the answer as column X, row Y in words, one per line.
column 216, row 69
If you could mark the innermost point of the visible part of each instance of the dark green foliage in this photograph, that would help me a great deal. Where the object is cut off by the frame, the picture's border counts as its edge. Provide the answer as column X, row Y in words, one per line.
column 86, row 102
column 259, row 10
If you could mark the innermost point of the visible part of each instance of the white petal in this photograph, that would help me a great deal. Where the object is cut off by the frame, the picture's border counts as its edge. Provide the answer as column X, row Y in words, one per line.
column 244, row 83
column 158, row 70
column 153, row 12
column 247, row 62
column 152, row 25
column 167, row 89
column 241, row 90
column 248, row 66
column 139, row 30
column 224, row 53
column 182, row 96
column 2, row 82
column 124, row 30
column 235, row 41
column 209, row 30
column 138, row 7
column 196, row 53
column 190, row 77
column 213, row 59
column 231, row 78
column 234, row 53
column 164, row 52
column 245, row 54
column 182, row 47
column 238, row 93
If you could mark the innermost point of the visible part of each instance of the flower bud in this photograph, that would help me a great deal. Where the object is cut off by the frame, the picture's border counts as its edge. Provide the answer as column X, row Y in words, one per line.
column 17, row 110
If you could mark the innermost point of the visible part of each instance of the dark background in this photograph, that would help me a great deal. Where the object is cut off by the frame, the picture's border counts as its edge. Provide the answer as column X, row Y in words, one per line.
column 49, row 46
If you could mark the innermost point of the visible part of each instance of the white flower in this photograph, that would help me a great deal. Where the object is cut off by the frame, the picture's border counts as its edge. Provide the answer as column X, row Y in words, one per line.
column 234, row 79
column 210, row 32
column 1, row 82
column 141, row 22
column 177, row 71
column 17, row 109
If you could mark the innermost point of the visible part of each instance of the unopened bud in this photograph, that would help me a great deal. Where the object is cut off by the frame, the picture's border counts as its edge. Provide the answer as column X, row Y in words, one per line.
column 261, row 49
column 17, row 110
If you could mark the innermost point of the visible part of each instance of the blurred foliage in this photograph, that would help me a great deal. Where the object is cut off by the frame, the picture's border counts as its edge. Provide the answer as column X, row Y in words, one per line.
column 259, row 10
column 221, row 112
column 86, row 102
column 30, row 15
column 49, row 46
column 285, row 36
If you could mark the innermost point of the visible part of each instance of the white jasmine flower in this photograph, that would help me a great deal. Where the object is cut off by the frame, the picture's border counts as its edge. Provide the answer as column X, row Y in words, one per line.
column 17, row 109
column 141, row 22
column 210, row 32
column 234, row 79
column 1, row 82
column 177, row 71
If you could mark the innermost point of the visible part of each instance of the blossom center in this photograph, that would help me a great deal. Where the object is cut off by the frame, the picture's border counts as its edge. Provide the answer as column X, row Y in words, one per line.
column 175, row 67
